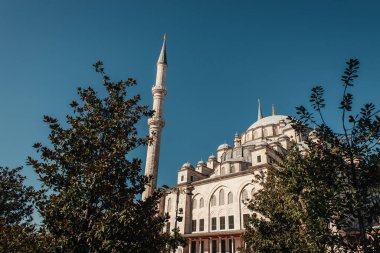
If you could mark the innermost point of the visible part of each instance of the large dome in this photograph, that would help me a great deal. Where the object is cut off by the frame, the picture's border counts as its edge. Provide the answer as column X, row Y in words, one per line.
column 268, row 121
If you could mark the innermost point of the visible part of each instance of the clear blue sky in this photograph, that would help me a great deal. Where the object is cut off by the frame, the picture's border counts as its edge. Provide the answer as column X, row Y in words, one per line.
column 222, row 56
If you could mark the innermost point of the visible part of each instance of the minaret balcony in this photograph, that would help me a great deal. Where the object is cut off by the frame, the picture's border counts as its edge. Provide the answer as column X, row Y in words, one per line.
column 159, row 90
column 155, row 121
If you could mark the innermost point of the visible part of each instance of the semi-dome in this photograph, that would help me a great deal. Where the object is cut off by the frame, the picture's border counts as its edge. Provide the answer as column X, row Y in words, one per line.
column 275, row 119
column 224, row 146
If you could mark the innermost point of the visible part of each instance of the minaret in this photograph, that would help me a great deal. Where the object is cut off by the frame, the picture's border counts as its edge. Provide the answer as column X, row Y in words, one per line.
column 259, row 113
column 156, row 123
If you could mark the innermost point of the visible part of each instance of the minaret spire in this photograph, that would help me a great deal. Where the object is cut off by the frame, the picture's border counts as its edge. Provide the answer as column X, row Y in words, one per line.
column 259, row 113
column 273, row 110
column 162, row 58
column 156, row 123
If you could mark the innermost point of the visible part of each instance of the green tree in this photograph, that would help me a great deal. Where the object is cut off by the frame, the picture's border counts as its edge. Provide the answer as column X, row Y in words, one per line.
column 324, row 196
column 17, row 234
column 90, row 185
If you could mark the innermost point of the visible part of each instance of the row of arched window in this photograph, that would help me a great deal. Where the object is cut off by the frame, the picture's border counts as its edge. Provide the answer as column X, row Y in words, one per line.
column 201, row 203
column 254, row 134
column 213, row 200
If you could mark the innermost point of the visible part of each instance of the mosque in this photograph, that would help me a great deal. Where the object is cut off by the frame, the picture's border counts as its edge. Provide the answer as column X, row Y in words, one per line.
column 211, row 195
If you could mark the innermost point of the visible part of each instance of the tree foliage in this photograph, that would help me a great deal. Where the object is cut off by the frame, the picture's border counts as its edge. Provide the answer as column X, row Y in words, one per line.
column 88, row 201
column 324, row 195
column 17, row 234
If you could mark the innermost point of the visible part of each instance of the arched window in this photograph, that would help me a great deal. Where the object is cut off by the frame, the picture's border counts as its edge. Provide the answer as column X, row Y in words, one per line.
column 213, row 200
column 201, row 203
column 253, row 135
column 232, row 169
column 230, row 198
column 194, row 204
column 221, row 197
column 224, row 155
column 222, row 171
column 265, row 132
column 169, row 208
column 244, row 195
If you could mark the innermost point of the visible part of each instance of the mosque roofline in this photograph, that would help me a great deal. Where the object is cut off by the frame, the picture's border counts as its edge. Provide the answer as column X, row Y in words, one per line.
column 269, row 120
column 232, row 175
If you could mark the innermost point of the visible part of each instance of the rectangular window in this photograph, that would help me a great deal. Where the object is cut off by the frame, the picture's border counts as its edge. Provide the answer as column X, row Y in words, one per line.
column 202, row 247
column 191, row 178
column 201, row 224
column 182, row 178
column 222, row 223
column 168, row 227
column 231, row 222
column 259, row 158
column 213, row 223
column 245, row 220
column 194, row 225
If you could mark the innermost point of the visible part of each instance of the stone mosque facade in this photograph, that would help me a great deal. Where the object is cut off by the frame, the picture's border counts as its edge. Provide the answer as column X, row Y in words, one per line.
column 211, row 195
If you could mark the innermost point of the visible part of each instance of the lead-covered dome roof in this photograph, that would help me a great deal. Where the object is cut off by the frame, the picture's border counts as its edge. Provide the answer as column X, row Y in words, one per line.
column 268, row 121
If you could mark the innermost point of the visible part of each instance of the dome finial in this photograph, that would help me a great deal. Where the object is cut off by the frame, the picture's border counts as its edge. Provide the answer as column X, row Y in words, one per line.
column 273, row 110
column 259, row 113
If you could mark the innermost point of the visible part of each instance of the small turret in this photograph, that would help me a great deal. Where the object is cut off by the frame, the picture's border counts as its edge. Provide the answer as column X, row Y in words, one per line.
column 237, row 140
column 212, row 162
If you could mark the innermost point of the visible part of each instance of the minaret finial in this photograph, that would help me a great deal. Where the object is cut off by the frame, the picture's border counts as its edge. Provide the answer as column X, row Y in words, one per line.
column 259, row 113
column 162, row 58
column 273, row 110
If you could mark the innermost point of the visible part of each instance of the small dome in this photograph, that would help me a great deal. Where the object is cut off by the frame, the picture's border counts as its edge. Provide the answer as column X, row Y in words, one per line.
column 201, row 162
column 187, row 165
column 212, row 157
column 224, row 146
